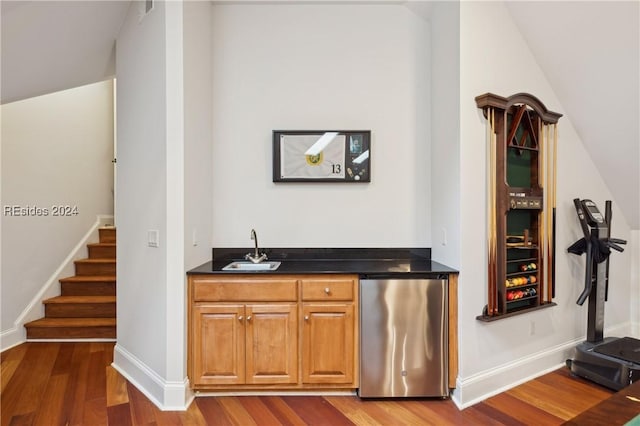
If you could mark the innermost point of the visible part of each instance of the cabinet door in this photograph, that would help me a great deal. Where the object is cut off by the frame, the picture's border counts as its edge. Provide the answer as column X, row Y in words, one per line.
column 272, row 343
column 218, row 344
column 328, row 343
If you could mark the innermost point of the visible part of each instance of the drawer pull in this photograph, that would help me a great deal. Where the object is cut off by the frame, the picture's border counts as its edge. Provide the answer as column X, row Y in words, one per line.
column 240, row 317
column 327, row 290
column 306, row 317
column 248, row 317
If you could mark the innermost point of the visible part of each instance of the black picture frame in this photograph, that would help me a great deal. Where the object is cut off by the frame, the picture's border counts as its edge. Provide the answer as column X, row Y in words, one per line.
column 342, row 156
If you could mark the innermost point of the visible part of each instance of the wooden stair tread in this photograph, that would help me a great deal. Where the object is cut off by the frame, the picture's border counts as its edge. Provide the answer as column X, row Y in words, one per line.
column 72, row 322
column 86, row 306
column 81, row 299
column 89, row 278
column 107, row 245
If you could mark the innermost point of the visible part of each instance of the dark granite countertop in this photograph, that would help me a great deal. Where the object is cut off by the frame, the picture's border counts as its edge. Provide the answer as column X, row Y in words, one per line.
column 397, row 262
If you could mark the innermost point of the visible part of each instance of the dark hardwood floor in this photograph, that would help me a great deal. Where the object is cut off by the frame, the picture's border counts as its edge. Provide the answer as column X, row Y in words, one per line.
column 74, row 384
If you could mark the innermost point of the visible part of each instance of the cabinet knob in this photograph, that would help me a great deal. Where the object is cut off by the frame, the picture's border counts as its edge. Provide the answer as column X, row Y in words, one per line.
column 240, row 317
column 327, row 290
column 248, row 317
column 306, row 317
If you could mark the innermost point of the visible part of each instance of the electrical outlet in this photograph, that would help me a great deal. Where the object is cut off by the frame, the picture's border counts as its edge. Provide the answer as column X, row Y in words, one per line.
column 444, row 236
column 532, row 328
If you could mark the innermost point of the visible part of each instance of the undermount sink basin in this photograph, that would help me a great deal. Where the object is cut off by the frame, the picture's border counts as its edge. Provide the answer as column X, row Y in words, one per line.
column 250, row 266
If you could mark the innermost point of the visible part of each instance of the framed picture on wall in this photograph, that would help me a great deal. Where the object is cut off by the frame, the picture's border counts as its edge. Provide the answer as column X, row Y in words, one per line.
column 321, row 155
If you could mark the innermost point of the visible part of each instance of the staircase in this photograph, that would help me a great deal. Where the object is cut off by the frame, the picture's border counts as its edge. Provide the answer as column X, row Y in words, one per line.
column 86, row 307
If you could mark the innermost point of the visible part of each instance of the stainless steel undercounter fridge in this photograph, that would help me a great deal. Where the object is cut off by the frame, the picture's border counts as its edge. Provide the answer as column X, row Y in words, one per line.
column 403, row 337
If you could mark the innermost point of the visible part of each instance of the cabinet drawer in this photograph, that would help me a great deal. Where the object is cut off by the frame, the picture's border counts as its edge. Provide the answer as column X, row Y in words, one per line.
column 250, row 289
column 328, row 289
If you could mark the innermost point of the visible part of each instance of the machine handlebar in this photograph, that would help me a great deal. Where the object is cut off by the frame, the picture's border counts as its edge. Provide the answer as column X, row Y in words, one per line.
column 615, row 247
column 588, row 246
column 587, row 237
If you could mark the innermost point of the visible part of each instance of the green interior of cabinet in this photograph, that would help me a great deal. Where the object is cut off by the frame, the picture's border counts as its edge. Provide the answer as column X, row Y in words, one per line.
column 519, row 164
column 518, row 221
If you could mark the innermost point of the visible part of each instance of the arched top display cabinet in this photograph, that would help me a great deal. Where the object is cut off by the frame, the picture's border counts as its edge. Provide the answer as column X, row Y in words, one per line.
column 521, row 156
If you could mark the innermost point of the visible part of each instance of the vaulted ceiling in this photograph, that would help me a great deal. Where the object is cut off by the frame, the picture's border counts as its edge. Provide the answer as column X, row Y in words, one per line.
column 589, row 52
column 49, row 46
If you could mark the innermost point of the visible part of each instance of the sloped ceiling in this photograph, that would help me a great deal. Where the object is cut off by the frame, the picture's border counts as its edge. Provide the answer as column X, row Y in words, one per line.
column 49, row 46
column 589, row 52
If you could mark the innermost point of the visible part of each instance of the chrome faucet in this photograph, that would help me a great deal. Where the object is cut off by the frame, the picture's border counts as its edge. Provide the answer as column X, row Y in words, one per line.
column 257, row 257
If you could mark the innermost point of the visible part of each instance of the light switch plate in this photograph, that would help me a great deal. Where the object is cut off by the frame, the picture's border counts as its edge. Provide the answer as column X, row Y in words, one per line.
column 153, row 238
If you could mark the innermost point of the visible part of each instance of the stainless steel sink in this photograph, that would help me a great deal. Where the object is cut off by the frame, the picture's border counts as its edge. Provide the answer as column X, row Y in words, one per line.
column 250, row 266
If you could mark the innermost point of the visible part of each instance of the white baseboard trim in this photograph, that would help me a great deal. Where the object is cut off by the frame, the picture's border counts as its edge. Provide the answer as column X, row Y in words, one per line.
column 205, row 394
column 34, row 310
column 166, row 395
column 74, row 340
column 478, row 387
column 12, row 337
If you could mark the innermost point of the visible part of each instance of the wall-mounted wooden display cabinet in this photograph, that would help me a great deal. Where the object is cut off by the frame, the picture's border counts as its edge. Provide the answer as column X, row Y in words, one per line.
column 521, row 180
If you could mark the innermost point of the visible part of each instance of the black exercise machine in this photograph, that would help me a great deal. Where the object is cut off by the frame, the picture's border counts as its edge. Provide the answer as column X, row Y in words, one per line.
column 612, row 362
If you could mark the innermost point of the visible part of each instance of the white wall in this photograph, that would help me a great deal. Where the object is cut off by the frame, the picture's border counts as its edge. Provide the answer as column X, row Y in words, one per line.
column 198, row 127
column 141, row 117
column 56, row 150
column 151, row 297
column 494, row 58
column 198, row 179
column 445, row 133
column 311, row 66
